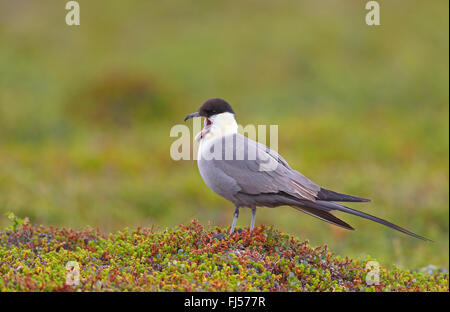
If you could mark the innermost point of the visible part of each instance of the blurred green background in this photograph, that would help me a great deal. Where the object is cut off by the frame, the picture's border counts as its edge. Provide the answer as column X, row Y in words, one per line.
column 86, row 111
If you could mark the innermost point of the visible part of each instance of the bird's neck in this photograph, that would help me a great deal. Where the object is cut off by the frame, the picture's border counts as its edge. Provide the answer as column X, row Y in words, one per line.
column 222, row 125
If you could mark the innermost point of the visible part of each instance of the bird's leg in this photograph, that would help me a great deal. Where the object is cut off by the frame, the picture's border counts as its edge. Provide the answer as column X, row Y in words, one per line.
column 236, row 215
column 252, row 224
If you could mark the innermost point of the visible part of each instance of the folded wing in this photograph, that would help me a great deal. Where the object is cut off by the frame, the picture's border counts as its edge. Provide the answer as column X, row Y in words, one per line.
column 266, row 179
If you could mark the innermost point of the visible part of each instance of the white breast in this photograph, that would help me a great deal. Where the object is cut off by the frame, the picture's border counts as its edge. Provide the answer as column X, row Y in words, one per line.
column 222, row 125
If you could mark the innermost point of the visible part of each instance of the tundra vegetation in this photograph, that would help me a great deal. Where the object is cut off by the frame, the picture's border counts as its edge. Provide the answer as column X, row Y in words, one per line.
column 187, row 258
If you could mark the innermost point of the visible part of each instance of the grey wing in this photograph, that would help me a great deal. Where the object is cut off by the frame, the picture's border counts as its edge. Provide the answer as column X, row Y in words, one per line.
column 265, row 179
column 257, row 169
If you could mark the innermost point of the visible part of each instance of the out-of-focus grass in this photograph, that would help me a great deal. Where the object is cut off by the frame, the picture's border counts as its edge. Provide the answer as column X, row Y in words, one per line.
column 362, row 110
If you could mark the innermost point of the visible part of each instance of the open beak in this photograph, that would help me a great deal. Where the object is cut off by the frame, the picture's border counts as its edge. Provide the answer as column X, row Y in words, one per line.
column 206, row 126
column 205, row 130
column 196, row 114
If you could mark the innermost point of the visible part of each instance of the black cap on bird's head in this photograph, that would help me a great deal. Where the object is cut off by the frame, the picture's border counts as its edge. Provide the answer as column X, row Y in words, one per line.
column 212, row 107
column 215, row 106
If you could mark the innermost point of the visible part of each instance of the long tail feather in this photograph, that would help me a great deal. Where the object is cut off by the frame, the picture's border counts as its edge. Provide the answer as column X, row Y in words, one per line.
column 321, row 210
column 329, row 195
column 325, row 216
column 336, row 206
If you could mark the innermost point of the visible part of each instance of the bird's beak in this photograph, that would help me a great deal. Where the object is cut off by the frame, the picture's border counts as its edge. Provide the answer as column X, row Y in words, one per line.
column 196, row 114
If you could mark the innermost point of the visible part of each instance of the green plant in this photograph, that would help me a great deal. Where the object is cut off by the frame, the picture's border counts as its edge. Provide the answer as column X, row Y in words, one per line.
column 187, row 258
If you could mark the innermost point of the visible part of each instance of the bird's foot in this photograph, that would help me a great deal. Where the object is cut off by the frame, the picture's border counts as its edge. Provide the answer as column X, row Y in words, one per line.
column 221, row 236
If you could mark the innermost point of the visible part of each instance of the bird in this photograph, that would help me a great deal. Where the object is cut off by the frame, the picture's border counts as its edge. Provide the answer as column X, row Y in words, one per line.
column 249, row 174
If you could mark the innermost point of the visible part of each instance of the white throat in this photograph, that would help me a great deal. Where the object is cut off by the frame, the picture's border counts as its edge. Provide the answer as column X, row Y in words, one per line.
column 221, row 125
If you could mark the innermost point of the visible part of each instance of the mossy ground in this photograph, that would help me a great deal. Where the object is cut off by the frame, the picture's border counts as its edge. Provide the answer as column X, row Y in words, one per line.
column 186, row 258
